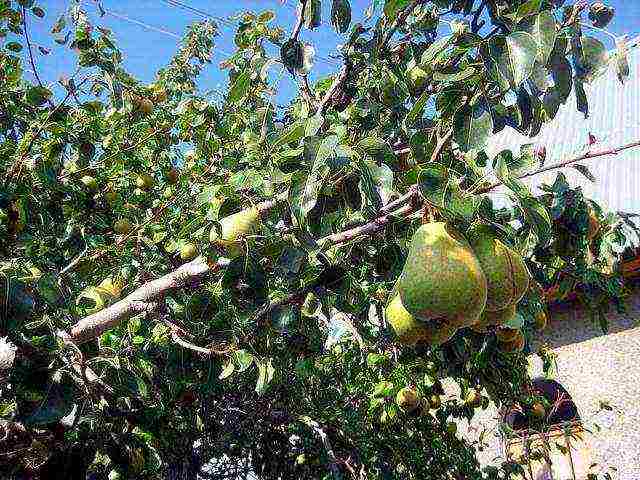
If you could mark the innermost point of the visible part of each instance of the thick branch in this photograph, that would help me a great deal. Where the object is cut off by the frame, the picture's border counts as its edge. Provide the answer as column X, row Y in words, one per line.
column 94, row 325
column 337, row 83
column 139, row 300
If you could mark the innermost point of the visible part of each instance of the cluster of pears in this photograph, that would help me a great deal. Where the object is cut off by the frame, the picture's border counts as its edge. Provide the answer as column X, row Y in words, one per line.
column 412, row 403
column 450, row 282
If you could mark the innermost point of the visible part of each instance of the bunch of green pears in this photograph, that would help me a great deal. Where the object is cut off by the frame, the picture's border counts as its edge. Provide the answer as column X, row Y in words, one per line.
column 450, row 282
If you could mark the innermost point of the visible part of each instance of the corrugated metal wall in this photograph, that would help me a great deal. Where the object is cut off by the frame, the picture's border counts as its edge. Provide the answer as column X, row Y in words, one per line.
column 614, row 119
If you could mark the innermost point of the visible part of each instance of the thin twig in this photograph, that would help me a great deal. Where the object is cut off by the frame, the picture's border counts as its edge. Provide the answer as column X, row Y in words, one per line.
column 102, row 161
column 15, row 170
column 476, row 25
column 190, row 346
column 442, row 141
column 300, row 21
column 400, row 19
column 587, row 156
column 31, row 60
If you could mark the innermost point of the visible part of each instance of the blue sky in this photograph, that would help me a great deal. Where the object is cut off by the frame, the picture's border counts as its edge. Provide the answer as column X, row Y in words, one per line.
column 146, row 49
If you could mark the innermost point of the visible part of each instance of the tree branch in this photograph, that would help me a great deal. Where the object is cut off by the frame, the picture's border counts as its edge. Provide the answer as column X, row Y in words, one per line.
column 401, row 208
column 300, row 21
column 139, row 300
column 587, row 156
column 29, row 47
column 15, row 170
column 400, row 19
column 337, row 83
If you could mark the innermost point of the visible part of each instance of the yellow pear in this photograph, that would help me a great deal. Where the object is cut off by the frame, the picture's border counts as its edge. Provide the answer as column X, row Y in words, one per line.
column 408, row 399
column 540, row 321
column 122, row 226
column 442, row 280
column 188, row 252
column 233, row 229
column 411, row 331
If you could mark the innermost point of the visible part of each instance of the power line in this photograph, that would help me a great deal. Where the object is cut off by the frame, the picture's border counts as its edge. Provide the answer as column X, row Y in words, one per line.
column 203, row 14
column 146, row 26
column 142, row 24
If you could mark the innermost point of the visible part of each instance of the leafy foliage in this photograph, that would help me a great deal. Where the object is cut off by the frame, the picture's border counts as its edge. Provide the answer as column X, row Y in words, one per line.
column 277, row 361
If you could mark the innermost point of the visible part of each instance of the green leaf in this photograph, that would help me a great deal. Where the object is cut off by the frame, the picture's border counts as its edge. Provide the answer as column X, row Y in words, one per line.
column 538, row 215
column 340, row 15
column 304, row 190
column 514, row 56
column 313, row 125
column 534, row 211
column 292, row 134
column 528, row 8
column 383, row 389
column 240, row 87
column 265, row 375
column 434, row 49
column 582, row 104
column 312, row 14
column 594, row 58
column 622, row 60
column 416, row 110
column 38, row 12
column 455, row 77
column 227, row 370
column 544, row 33
column 292, row 55
column 243, row 359
column 432, row 183
column 584, row 170
column 38, row 95
column 391, row 7
column 59, row 25
column 14, row 46
column 472, row 127
column 375, row 186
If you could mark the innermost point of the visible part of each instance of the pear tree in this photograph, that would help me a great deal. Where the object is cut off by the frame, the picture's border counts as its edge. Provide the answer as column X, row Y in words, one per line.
column 276, row 279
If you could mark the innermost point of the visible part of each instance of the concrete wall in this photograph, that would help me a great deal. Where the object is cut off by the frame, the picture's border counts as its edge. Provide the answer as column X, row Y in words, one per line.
column 593, row 368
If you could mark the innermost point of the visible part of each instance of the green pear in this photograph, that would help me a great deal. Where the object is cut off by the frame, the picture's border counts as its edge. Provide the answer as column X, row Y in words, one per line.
column 411, row 331
column 233, row 229
column 417, row 78
column 497, row 317
column 442, row 280
column 505, row 270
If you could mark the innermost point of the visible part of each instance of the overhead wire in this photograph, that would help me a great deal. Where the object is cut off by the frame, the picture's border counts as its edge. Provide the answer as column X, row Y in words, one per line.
column 147, row 26
column 204, row 14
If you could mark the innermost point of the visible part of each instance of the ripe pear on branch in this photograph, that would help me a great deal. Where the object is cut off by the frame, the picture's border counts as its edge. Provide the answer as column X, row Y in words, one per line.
column 442, row 280
column 491, row 318
column 515, row 345
column 411, row 331
column 408, row 399
column 506, row 273
column 229, row 236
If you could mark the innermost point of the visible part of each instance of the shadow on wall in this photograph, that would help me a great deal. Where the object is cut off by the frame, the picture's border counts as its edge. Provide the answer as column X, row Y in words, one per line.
column 570, row 323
